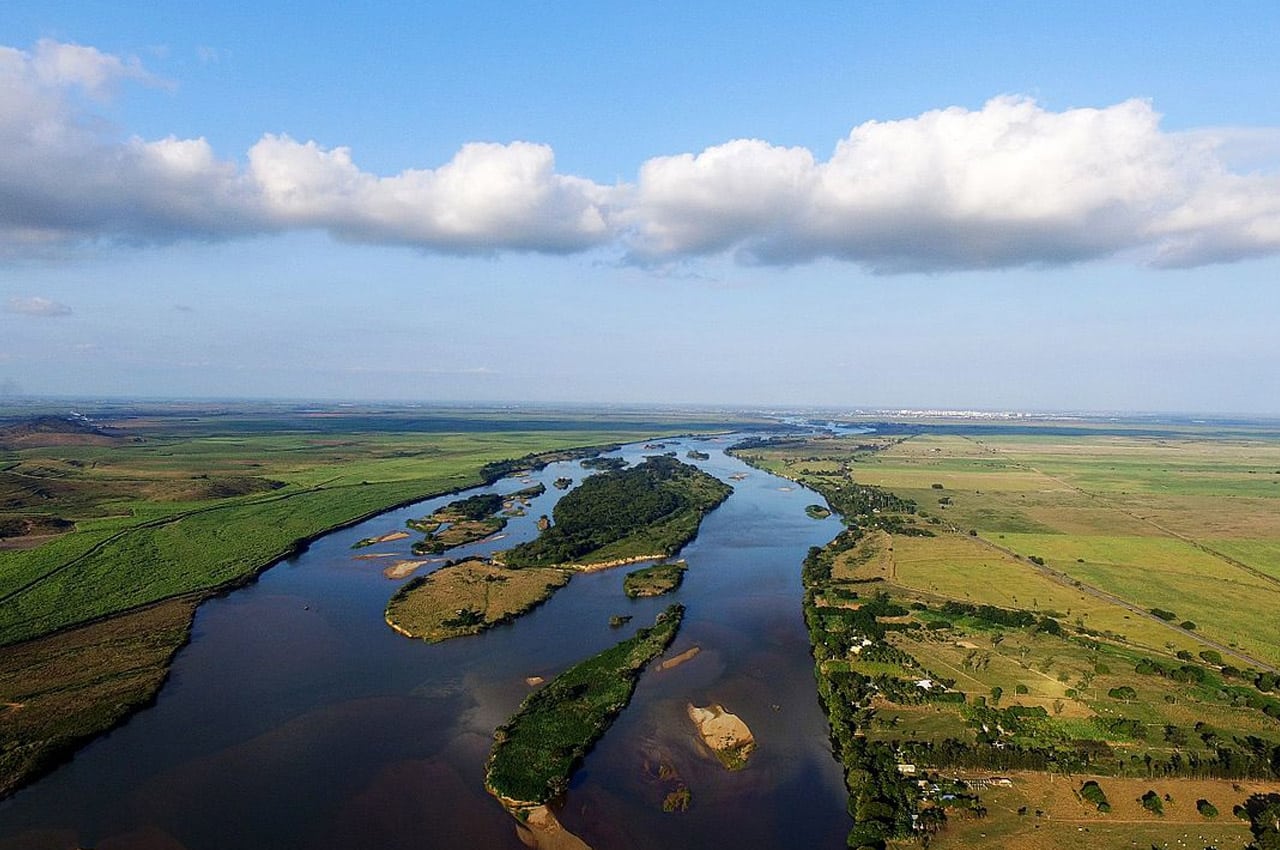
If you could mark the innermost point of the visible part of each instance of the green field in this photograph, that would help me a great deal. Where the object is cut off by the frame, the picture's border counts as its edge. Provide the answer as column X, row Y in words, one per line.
column 1152, row 562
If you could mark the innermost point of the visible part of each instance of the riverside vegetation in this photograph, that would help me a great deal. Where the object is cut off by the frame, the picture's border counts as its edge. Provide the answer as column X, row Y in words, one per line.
column 947, row 649
column 112, row 530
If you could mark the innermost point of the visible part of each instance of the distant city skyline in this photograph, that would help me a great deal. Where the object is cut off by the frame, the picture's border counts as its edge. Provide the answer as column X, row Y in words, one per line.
column 1049, row 207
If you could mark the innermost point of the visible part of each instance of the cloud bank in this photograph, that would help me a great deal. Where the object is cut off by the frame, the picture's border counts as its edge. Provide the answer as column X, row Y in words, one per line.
column 1010, row 184
column 36, row 306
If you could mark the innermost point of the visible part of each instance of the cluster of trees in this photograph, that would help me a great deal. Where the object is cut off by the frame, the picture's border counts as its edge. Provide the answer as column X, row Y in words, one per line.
column 881, row 800
column 491, row 472
column 607, row 464
column 477, row 507
column 1009, row 617
column 1263, row 813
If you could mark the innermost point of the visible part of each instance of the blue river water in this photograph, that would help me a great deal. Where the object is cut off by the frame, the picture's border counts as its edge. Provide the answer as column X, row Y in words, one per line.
column 296, row 718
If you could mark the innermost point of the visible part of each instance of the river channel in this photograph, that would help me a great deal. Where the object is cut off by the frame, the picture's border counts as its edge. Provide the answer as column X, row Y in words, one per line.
column 296, row 718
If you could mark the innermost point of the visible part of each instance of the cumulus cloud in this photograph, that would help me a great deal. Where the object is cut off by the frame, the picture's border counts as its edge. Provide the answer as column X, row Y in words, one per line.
column 488, row 196
column 67, row 178
column 1009, row 184
column 36, row 306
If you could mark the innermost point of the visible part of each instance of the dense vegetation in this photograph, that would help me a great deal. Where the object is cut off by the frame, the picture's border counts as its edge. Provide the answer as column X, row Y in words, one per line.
column 653, row 508
column 537, row 750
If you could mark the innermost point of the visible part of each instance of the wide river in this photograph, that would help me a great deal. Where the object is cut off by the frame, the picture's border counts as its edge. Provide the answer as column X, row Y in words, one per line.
column 296, row 718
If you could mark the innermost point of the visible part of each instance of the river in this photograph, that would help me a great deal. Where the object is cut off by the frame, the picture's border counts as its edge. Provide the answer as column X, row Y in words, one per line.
column 296, row 718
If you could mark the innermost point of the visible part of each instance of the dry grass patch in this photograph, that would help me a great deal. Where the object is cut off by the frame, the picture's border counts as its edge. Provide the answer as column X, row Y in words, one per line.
column 1068, row 822
column 469, row 597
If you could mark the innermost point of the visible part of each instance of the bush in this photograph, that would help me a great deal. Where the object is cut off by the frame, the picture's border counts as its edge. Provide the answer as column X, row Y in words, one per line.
column 1211, row 656
column 1151, row 802
column 1091, row 792
column 1206, row 808
column 1167, row 616
column 1122, row 692
column 1188, row 625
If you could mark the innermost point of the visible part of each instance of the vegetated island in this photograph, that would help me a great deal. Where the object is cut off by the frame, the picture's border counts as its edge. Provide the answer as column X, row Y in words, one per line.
column 817, row 511
column 469, row 597
column 459, row 523
column 537, row 750
column 655, row 580
column 608, row 464
column 645, row 512
column 694, row 454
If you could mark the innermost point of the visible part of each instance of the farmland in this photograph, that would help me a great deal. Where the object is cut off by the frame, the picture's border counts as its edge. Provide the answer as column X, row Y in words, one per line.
column 1032, row 605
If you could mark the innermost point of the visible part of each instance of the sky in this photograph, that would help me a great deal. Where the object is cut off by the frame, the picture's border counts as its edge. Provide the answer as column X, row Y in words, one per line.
column 1009, row 206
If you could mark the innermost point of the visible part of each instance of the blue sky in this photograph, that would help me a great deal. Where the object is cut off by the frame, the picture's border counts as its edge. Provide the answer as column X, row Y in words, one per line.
column 1031, row 206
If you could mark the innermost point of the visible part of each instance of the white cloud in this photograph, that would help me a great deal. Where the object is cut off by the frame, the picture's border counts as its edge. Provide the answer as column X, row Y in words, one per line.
column 487, row 197
column 1009, row 184
column 35, row 306
column 56, row 64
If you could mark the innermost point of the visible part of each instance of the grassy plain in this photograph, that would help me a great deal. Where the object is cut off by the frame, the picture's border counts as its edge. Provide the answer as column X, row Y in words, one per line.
column 1190, row 524
column 57, row 692
column 1067, row 821
column 1095, row 530
column 181, row 501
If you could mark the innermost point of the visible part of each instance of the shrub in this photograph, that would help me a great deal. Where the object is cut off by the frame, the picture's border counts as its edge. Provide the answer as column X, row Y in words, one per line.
column 1167, row 616
column 1151, row 802
column 1092, row 792
column 1122, row 692
column 1189, row 625
column 1206, row 808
